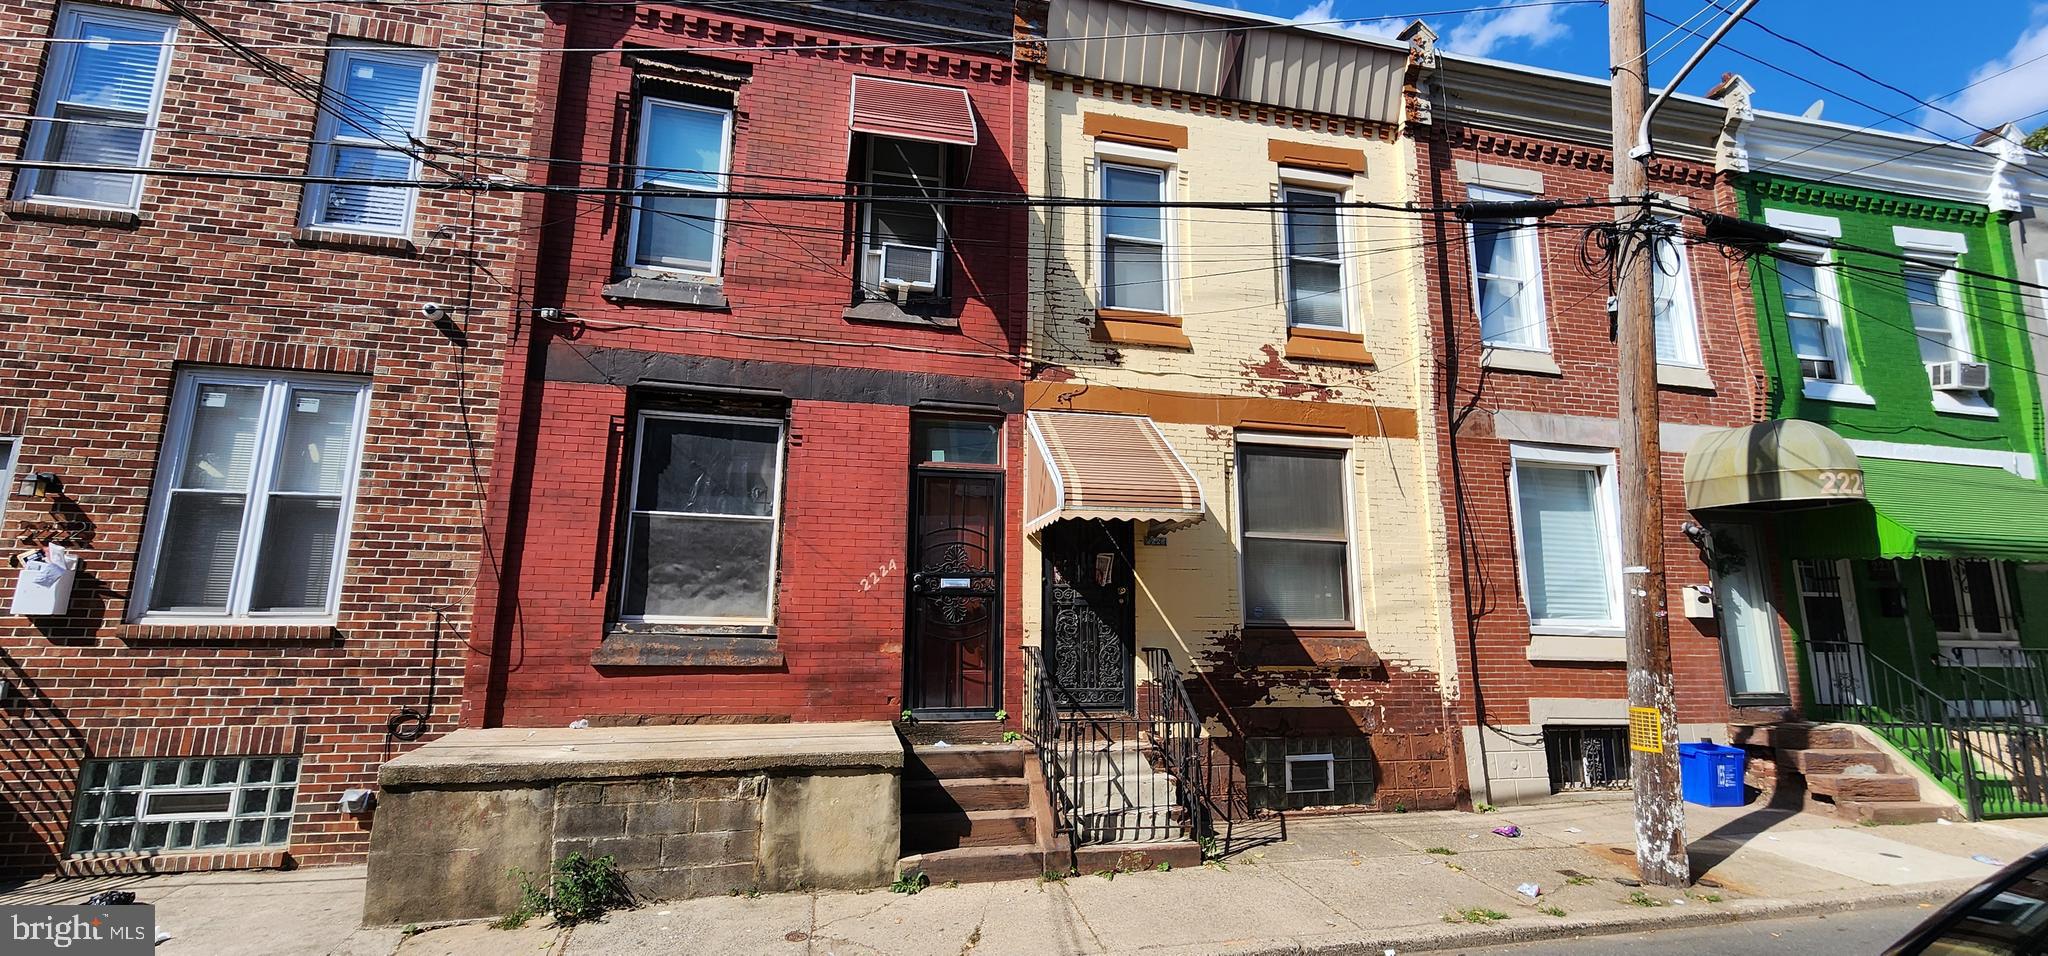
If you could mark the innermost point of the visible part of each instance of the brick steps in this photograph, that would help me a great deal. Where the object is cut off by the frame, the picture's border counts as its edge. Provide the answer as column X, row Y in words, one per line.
column 1865, row 787
column 955, row 794
column 969, row 815
column 1814, row 762
column 1829, row 767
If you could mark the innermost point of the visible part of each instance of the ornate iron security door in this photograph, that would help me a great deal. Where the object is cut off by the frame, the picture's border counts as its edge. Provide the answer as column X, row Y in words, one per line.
column 955, row 659
column 1089, row 622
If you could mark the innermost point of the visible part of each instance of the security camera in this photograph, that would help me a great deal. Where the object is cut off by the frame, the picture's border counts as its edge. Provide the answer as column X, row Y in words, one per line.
column 434, row 311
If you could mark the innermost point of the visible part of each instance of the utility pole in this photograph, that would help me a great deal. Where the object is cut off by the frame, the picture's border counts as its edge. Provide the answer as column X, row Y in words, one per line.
column 1653, row 711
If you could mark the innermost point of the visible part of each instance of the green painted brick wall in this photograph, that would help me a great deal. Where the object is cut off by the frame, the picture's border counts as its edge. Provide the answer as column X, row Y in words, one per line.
column 1883, row 349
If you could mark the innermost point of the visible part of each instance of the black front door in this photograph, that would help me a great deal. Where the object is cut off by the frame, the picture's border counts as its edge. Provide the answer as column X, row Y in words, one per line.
column 1089, row 624
column 956, row 546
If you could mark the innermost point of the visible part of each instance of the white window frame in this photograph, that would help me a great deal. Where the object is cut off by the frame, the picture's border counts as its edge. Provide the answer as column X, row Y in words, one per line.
column 1842, row 388
column 1154, row 162
column 10, row 459
column 1329, row 761
column 1352, row 597
column 144, row 815
column 63, row 56
column 1339, row 190
column 1949, row 297
column 1608, row 510
column 641, row 179
column 870, row 263
column 277, row 390
column 1532, row 318
column 328, row 138
column 774, row 516
column 1684, row 314
column 1965, row 617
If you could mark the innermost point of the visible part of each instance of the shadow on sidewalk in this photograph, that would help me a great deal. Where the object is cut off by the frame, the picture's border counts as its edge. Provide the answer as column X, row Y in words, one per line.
column 1779, row 805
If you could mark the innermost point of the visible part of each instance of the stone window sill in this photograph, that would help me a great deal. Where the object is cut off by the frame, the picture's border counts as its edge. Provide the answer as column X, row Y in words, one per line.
column 1684, row 376
column 692, row 293
column 145, row 864
column 354, row 241
column 75, row 215
column 648, row 645
column 240, row 632
column 1270, row 647
column 1519, row 360
column 885, row 312
column 1838, row 392
column 1578, row 648
column 1327, row 345
column 1964, row 403
column 1126, row 327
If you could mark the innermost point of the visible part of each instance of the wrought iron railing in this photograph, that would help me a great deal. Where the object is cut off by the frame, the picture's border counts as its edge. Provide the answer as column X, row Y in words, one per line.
column 1117, row 777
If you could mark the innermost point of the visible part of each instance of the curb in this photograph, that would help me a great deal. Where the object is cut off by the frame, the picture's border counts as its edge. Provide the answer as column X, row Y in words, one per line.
column 1434, row 939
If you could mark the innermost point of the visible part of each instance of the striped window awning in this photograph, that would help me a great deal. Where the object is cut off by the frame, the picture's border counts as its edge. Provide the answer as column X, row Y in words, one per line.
column 904, row 110
column 1106, row 467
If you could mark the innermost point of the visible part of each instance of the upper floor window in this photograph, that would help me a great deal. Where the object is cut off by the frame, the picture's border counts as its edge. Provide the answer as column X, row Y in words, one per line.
column 684, row 153
column 1937, row 309
column 1565, row 507
column 1678, row 333
column 706, row 498
column 1314, row 234
column 1812, row 317
column 1134, row 238
column 1294, row 512
column 904, row 243
column 373, row 112
column 249, row 515
column 98, row 107
column 1507, row 277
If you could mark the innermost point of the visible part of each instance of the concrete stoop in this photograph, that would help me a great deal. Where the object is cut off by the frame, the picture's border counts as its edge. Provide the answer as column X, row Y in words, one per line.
column 1832, row 768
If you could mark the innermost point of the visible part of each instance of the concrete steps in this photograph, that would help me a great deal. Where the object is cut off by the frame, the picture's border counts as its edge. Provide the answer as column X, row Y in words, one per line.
column 970, row 814
column 933, row 795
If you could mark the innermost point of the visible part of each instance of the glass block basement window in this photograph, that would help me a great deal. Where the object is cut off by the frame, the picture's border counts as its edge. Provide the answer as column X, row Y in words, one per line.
column 191, row 803
column 1289, row 773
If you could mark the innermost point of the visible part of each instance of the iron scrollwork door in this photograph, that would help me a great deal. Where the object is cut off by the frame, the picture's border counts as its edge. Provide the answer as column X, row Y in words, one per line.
column 956, row 594
column 1089, row 616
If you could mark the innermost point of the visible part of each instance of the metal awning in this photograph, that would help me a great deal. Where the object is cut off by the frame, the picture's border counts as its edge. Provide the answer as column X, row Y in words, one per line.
column 1927, row 509
column 1111, row 467
column 1771, row 465
column 904, row 110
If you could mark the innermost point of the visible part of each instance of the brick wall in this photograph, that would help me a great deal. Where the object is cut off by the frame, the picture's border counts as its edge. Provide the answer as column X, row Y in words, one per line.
column 100, row 313
column 788, row 276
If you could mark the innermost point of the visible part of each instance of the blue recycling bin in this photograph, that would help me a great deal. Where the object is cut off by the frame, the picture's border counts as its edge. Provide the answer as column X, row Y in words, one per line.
column 1711, row 774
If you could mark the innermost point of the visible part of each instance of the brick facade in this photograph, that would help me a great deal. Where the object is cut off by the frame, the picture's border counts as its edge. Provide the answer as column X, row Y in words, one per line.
column 104, row 308
column 1511, row 687
column 848, row 389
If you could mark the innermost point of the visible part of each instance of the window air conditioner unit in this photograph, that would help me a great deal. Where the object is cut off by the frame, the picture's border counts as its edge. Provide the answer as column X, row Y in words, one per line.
column 908, row 267
column 1959, row 376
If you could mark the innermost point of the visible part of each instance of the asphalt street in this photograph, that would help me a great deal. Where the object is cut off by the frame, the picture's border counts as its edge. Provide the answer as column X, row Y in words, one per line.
column 1847, row 933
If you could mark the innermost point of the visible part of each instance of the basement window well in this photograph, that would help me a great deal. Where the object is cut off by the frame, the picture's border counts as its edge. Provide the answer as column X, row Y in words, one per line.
column 192, row 803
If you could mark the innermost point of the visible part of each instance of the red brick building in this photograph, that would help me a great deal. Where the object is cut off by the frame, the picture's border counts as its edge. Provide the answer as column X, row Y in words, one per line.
column 1528, row 400
column 764, row 441
column 255, row 392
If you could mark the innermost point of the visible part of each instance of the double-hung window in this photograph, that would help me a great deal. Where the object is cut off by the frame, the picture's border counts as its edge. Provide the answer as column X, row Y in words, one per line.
column 373, row 113
column 98, row 107
column 905, row 241
column 1314, row 233
column 1507, row 277
column 678, row 220
column 1936, row 305
column 1678, row 334
column 1134, row 238
column 250, row 513
column 1565, row 508
column 1811, row 320
column 706, row 506
column 1970, row 600
column 1294, row 508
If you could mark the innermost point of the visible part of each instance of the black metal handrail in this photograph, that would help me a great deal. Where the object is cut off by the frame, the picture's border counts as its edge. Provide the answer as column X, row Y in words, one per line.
column 1178, row 732
column 1045, row 736
column 1853, row 686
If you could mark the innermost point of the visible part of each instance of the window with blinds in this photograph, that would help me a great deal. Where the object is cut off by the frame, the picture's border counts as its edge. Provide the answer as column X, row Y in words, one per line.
column 1937, row 311
column 99, row 104
column 1565, row 532
column 678, row 220
column 1296, row 532
column 373, row 112
column 248, row 517
column 1313, row 231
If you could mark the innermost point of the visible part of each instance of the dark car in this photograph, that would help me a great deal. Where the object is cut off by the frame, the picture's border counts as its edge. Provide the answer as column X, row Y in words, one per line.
column 2006, row 914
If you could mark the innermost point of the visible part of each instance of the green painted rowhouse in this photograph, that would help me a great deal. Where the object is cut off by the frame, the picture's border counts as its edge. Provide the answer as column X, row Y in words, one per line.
column 1913, row 574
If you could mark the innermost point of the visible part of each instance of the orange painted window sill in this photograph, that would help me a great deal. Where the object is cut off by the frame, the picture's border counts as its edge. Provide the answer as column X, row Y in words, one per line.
column 1327, row 345
column 1124, row 327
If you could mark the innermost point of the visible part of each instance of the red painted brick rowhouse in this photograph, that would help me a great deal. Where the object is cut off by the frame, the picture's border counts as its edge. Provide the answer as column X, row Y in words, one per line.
column 253, row 395
column 1528, row 403
column 764, row 436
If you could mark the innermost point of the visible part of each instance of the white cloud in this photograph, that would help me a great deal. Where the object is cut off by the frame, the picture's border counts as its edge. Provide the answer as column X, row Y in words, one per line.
column 1481, row 34
column 1326, row 10
column 2003, row 96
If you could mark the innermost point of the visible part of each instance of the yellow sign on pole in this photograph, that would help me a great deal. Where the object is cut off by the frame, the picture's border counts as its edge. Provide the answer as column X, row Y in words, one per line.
column 1645, row 730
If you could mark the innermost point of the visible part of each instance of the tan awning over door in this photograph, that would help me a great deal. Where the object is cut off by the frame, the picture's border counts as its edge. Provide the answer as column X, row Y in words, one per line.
column 1774, row 464
column 1112, row 467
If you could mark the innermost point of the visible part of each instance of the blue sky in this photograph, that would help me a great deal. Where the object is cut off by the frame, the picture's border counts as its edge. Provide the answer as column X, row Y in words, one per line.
column 1901, row 42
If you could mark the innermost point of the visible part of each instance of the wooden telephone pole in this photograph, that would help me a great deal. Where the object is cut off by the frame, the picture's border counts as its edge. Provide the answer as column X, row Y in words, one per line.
column 1653, row 712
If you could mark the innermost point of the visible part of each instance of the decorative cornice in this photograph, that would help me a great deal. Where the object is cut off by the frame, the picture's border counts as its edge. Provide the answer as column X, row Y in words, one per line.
column 949, row 64
column 1860, row 201
column 1569, row 156
column 1198, row 105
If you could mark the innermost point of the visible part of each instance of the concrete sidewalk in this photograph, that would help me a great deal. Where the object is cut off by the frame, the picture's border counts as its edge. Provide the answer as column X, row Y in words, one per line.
column 1335, row 884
